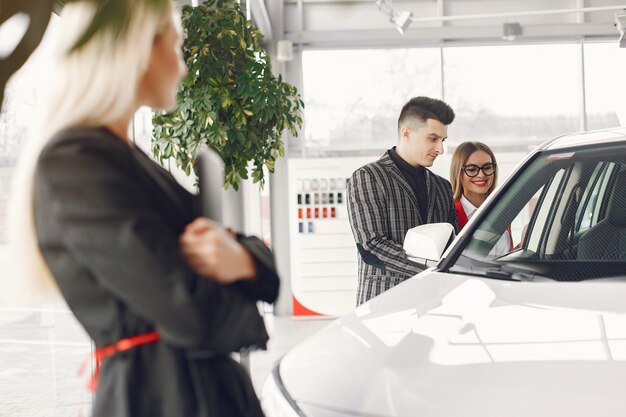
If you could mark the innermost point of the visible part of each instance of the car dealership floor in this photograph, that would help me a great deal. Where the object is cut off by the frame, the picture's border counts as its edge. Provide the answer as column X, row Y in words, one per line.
column 42, row 349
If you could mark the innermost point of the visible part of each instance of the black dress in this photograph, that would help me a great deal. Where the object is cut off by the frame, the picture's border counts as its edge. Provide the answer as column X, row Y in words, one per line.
column 108, row 221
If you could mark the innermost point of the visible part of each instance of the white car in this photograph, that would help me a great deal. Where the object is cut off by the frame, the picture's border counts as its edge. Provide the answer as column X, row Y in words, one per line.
column 540, row 331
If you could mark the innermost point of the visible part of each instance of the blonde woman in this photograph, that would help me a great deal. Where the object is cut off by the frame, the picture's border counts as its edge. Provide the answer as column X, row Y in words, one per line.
column 165, row 296
column 474, row 175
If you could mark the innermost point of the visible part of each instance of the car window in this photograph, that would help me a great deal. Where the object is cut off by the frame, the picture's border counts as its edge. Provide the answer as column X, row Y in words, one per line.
column 541, row 220
column 566, row 213
column 519, row 226
column 589, row 211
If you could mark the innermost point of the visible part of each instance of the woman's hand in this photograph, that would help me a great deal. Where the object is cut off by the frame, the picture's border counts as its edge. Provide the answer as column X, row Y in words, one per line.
column 213, row 252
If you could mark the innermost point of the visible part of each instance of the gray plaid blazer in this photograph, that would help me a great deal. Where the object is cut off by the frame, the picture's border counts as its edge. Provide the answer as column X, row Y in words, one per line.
column 382, row 208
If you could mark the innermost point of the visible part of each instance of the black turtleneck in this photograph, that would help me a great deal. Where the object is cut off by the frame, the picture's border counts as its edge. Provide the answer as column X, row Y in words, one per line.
column 416, row 177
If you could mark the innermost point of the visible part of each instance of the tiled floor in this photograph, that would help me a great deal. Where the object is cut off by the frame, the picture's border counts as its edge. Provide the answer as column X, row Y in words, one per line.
column 41, row 351
column 40, row 354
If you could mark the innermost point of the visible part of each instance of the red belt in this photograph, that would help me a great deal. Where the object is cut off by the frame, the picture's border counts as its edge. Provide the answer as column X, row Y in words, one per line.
column 121, row 345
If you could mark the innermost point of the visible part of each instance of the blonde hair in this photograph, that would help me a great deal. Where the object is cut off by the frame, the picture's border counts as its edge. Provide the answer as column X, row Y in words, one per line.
column 460, row 157
column 90, row 87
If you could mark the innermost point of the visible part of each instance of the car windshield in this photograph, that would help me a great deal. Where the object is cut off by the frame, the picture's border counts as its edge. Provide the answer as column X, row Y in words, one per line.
column 563, row 218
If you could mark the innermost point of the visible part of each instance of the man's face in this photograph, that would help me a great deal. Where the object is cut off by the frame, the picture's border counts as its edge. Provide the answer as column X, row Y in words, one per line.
column 423, row 142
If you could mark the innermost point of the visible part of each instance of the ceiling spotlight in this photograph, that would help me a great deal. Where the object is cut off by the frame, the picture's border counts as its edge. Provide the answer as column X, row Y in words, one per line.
column 510, row 31
column 620, row 24
column 403, row 21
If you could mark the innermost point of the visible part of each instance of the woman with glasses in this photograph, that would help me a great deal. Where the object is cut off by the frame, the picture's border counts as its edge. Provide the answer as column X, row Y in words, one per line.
column 474, row 175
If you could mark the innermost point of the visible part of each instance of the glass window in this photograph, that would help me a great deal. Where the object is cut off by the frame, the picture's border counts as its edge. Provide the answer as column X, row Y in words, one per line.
column 543, row 209
column 555, row 194
column 353, row 97
column 514, row 96
column 590, row 209
column 142, row 129
column 604, row 76
column 41, row 347
column 21, row 97
column 519, row 226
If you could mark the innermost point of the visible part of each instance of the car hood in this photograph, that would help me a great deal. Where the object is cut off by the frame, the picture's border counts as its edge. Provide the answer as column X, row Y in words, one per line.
column 451, row 345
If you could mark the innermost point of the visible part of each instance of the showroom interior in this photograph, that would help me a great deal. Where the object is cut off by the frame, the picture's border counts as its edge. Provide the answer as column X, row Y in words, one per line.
column 516, row 72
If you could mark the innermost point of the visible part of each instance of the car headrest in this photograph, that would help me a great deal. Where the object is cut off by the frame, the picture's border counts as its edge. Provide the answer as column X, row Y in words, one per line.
column 616, row 210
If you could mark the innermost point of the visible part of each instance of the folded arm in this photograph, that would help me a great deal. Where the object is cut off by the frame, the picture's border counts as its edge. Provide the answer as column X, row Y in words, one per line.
column 111, row 227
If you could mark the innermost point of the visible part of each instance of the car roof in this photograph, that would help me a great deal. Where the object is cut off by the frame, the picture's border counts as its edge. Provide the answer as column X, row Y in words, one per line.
column 617, row 134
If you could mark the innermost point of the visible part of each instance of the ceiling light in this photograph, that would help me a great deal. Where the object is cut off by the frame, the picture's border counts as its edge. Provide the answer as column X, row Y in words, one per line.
column 403, row 21
column 620, row 24
column 510, row 31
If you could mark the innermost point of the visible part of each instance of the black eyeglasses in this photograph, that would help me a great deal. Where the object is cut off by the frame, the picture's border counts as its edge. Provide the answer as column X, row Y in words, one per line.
column 473, row 170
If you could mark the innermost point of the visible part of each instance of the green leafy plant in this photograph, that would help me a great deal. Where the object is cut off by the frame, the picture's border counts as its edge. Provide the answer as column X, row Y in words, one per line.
column 230, row 99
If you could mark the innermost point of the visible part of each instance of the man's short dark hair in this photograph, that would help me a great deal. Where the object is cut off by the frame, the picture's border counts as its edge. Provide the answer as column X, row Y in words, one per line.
column 424, row 108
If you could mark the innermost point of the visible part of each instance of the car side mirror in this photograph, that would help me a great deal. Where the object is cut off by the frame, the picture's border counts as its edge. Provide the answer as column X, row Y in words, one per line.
column 425, row 244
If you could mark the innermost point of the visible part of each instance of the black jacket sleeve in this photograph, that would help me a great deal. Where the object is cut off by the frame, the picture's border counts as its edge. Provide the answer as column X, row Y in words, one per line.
column 265, row 287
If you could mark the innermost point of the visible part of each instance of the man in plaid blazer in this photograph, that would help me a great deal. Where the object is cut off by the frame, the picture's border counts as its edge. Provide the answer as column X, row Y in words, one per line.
column 388, row 197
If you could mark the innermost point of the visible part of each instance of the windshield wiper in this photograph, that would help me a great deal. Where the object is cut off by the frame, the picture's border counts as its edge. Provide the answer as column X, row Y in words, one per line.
column 494, row 273
column 495, row 270
column 503, row 274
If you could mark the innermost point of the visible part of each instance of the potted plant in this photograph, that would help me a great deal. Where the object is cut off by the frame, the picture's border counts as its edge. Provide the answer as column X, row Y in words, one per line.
column 230, row 99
